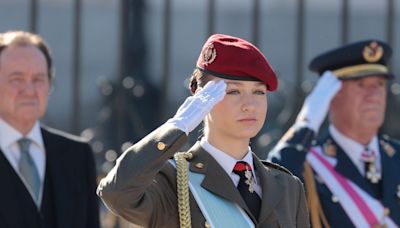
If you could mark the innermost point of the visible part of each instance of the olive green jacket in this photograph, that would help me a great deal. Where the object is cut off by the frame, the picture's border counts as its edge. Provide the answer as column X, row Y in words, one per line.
column 142, row 186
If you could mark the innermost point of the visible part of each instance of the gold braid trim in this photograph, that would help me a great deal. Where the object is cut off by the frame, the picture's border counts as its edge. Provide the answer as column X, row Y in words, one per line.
column 183, row 188
column 353, row 71
column 316, row 213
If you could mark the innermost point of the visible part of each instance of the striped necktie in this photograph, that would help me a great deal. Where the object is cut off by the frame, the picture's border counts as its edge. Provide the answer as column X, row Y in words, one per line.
column 28, row 170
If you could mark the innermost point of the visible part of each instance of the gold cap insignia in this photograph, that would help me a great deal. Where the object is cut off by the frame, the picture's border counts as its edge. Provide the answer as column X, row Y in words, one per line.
column 373, row 52
column 209, row 54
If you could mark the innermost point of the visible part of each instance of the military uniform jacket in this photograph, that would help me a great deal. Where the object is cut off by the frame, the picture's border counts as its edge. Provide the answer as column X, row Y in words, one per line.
column 142, row 186
column 292, row 150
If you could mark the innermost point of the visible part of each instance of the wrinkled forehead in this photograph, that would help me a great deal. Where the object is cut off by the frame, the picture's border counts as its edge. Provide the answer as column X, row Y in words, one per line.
column 25, row 52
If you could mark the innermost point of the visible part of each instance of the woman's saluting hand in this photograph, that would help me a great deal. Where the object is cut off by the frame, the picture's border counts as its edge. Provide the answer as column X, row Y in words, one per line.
column 196, row 107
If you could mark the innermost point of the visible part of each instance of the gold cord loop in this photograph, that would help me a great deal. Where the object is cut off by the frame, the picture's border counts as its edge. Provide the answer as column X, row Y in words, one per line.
column 317, row 215
column 183, row 188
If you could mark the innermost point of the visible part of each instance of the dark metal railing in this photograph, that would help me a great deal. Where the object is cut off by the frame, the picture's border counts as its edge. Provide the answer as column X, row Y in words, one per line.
column 33, row 12
column 76, row 67
column 165, row 39
column 345, row 21
column 166, row 56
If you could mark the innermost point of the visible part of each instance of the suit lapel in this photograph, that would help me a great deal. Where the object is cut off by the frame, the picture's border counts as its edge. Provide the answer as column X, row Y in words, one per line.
column 271, row 189
column 57, row 164
column 216, row 179
column 9, row 208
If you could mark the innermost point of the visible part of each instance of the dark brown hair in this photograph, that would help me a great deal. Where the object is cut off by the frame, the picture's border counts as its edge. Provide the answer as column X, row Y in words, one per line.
column 24, row 39
column 198, row 79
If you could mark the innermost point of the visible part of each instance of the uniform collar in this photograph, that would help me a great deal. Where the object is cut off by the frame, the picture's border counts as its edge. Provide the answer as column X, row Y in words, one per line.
column 352, row 148
column 224, row 160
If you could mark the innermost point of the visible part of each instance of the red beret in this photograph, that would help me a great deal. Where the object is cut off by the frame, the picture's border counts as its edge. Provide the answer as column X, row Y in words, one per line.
column 233, row 58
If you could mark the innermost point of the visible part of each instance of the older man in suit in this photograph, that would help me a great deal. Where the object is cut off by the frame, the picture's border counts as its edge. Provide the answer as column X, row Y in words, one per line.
column 48, row 177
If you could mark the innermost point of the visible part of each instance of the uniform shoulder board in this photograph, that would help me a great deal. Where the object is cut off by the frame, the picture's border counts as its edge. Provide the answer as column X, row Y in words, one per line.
column 390, row 146
column 391, row 140
column 276, row 166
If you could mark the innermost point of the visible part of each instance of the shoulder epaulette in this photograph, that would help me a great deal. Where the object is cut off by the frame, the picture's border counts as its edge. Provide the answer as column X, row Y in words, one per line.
column 390, row 139
column 276, row 166
column 389, row 145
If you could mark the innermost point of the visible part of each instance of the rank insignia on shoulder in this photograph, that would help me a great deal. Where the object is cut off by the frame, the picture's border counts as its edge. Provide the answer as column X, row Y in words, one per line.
column 389, row 150
column 329, row 148
column 275, row 166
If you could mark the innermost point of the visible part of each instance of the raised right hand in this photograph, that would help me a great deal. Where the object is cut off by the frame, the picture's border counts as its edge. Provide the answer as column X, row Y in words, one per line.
column 193, row 110
column 316, row 104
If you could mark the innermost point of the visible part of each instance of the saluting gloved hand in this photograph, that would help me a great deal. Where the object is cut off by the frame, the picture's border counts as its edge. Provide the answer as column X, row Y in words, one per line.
column 316, row 104
column 196, row 107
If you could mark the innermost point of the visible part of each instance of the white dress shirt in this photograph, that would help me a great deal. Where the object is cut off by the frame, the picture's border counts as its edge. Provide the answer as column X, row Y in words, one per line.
column 9, row 147
column 354, row 149
column 228, row 163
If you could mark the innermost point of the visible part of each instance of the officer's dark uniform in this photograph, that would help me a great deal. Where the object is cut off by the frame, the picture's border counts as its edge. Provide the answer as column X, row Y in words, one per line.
column 370, row 58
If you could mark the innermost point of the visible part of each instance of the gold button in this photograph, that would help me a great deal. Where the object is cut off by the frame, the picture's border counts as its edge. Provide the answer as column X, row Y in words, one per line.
column 335, row 199
column 206, row 224
column 299, row 147
column 386, row 211
column 379, row 226
column 199, row 165
column 161, row 146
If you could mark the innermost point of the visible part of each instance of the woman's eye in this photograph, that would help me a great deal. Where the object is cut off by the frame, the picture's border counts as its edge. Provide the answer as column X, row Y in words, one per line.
column 260, row 92
column 232, row 91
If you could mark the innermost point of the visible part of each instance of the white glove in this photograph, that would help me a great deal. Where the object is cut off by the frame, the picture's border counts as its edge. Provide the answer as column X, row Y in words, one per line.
column 316, row 104
column 196, row 107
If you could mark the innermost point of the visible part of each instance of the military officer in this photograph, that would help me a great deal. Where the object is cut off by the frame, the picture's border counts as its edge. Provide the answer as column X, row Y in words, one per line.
column 219, row 182
column 351, row 175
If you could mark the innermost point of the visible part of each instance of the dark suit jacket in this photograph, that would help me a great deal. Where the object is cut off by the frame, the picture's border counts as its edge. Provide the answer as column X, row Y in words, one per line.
column 70, row 167
column 142, row 186
column 292, row 150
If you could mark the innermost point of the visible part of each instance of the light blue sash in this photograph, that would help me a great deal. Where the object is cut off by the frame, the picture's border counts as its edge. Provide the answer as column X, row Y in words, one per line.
column 218, row 211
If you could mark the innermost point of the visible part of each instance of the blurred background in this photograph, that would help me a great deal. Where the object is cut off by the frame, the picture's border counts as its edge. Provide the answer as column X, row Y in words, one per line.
column 122, row 66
